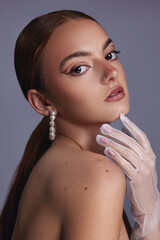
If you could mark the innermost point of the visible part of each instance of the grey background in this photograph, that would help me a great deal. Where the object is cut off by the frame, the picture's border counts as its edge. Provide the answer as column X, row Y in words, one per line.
column 135, row 28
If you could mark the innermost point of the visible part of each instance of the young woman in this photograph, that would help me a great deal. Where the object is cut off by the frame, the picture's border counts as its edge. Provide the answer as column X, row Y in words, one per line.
column 65, row 188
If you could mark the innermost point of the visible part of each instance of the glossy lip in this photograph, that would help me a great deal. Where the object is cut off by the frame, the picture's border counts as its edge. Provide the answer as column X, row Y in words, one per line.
column 116, row 97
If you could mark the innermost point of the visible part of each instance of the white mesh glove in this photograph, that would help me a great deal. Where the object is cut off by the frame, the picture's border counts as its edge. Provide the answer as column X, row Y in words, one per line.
column 137, row 160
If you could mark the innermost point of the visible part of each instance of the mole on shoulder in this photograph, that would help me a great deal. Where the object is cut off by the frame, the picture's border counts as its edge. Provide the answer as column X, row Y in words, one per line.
column 107, row 170
column 65, row 189
column 66, row 162
column 85, row 188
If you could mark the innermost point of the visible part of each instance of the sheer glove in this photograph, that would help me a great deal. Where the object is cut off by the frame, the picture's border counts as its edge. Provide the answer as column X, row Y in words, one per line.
column 135, row 157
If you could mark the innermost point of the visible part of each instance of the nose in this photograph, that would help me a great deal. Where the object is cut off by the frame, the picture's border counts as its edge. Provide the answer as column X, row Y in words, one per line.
column 110, row 72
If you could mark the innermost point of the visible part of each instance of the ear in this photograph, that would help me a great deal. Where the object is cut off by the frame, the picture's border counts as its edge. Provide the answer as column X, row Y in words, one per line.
column 40, row 103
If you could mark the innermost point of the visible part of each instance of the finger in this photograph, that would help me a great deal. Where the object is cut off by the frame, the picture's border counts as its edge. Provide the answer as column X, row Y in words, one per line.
column 139, row 135
column 122, row 138
column 129, row 170
column 125, row 152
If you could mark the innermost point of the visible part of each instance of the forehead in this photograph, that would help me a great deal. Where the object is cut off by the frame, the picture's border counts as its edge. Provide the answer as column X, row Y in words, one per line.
column 75, row 35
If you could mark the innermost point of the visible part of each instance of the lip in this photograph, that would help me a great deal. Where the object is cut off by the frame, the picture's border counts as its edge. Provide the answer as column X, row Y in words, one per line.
column 117, row 96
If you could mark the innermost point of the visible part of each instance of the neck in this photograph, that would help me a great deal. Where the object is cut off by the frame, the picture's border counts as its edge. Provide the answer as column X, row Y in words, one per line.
column 83, row 135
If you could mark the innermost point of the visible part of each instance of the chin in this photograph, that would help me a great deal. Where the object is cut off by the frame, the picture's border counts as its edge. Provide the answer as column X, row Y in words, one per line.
column 124, row 110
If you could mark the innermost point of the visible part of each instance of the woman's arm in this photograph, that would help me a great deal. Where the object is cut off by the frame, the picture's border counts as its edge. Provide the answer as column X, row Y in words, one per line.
column 137, row 160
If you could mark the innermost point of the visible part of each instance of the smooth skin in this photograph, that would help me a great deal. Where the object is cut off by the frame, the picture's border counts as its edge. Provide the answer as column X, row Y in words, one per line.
column 74, row 192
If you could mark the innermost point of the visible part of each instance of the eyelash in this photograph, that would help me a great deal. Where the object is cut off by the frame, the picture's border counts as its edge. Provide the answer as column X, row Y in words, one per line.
column 72, row 71
column 80, row 66
column 115, row 52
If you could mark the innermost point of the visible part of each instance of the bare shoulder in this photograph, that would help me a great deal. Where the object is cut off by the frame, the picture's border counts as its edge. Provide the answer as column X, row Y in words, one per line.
column 83, row 169
column 98, row 171
column 88, row 189
column 80, row 193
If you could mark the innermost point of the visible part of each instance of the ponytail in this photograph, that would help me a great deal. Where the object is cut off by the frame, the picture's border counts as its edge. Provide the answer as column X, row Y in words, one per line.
column 37, row 145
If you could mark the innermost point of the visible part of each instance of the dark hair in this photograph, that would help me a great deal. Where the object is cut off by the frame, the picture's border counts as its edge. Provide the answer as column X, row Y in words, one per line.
column 28, row 52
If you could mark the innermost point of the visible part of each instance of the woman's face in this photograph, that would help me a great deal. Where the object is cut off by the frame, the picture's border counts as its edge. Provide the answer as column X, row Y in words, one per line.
column 80, row 69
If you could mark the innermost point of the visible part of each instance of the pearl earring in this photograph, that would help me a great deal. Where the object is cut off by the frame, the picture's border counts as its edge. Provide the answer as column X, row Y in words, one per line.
column 52, row 124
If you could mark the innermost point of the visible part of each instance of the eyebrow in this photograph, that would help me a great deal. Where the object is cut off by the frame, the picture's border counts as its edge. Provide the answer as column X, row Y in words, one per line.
column 107, row 42
column 83, row 53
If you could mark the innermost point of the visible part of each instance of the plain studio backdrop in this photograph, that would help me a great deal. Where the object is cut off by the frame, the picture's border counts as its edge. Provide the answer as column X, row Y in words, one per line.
column 134, row 27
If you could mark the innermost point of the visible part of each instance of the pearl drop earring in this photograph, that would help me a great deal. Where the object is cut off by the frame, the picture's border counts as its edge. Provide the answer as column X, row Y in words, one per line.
column 52, row 124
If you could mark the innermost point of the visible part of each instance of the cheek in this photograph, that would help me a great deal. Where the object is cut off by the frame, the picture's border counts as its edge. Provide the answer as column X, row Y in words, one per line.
column 69, row 99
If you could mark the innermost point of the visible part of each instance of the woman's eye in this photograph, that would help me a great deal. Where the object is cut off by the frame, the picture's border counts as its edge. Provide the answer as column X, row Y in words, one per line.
column 78, row 70
column 112, row 55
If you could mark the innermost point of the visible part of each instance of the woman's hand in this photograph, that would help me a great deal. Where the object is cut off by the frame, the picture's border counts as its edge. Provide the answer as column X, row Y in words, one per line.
column 137, row 159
